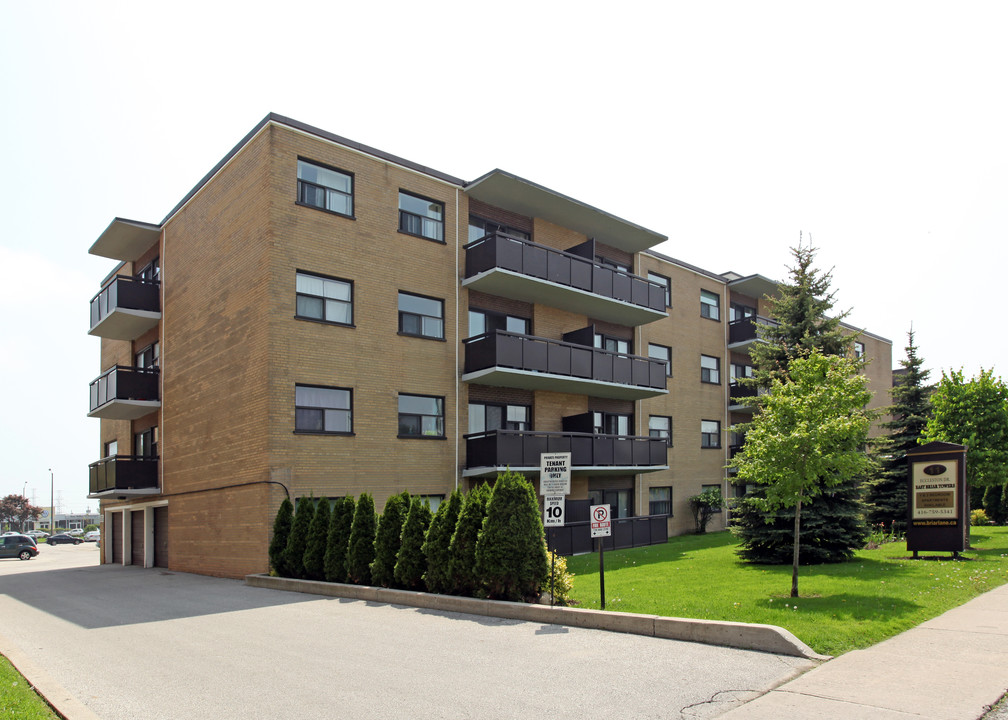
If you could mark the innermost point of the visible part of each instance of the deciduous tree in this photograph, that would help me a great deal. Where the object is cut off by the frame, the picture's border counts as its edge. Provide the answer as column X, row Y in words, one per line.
column 809, row 436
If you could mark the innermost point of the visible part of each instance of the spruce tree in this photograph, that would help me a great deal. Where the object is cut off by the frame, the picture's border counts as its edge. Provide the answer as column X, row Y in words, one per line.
column 388, row 538
column 335, row 561
column 438, row 577
column 834, row 522
column 411, row 563
column 298, row 540
column 511, row 549
column 318, row 536
column 278, row 543
column 887, row 490
column 360, row 547
column 462, row 549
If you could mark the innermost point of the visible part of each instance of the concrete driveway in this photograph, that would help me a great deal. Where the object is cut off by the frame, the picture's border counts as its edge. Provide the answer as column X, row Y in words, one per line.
column 131, row 643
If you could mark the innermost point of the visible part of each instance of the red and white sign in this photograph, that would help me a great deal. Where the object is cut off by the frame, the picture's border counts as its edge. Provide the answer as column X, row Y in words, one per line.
column 601, row 525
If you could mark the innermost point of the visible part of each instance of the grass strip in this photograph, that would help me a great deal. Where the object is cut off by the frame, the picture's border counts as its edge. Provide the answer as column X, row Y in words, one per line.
column 18, row 700
column 844, row 606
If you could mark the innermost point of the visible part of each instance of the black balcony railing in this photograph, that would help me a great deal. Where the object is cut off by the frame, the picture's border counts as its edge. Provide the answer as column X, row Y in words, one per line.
column 575, row 537
column 128, row 293
column 123, row 472
column 498, row 250
column 124, row 383
column 744, row 329
column 522, row 448
column 740, row 394
column 536, row 354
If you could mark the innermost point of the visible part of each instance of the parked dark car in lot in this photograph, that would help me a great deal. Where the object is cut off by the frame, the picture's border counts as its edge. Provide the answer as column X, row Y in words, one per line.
column 18, row 546
column 64, row 538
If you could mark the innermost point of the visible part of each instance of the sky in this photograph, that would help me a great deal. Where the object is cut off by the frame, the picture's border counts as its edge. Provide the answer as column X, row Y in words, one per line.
column 878, row 129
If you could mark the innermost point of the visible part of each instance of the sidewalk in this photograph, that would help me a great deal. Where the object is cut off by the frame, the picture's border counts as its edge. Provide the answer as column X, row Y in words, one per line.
column 948, row 668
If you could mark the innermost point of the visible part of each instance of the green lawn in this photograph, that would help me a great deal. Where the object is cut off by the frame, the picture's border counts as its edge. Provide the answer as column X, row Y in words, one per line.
column 842, row 607
column 18, row 700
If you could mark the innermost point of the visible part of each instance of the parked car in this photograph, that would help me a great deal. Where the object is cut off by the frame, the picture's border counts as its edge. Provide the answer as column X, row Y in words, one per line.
column 64, row 538
column 92, row 536
column 37, row 534
column 18, row 546
column 76, row 533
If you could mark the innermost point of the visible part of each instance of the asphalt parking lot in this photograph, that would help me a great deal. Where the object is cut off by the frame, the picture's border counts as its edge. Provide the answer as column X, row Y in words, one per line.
column 131, row 643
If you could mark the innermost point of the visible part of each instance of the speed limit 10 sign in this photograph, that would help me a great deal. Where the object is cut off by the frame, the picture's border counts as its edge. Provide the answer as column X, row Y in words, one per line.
column 553, row 509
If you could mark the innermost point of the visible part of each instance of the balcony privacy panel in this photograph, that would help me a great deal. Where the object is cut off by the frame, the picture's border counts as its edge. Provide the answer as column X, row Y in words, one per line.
column 123, row 472
column 575, row 536
column 123, row 383
column 502, row 448
column 535, row 354
column 127, row 293
column 570, row 269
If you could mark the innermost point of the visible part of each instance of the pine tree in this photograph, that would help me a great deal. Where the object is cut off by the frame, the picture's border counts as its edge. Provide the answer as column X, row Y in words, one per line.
column 318, row 536
column 278, row 543
column 511, row 549
column 887, row 490
column 462, row 549
column 438, row 577
column 335, row 561
column 360, row 547
column 833, row 523
column 298, row 540
column 388, row 539
column 411, row 563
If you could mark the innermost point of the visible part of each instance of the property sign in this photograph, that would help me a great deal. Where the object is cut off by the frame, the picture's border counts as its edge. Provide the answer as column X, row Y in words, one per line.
column 601, row 524
column 935, row 490
column 554, row 473
column 553, row 510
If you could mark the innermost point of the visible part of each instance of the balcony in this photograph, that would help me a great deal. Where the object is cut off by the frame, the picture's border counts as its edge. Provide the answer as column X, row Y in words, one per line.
column 125, row 308
column 488, row 453
column 507, row 359
column 510, row 267
column 739, row 397
column 124, row 393
column 742, row 332
column 123, row 475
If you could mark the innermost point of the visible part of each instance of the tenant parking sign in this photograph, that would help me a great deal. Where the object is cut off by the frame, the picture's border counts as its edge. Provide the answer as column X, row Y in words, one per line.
column 554, row 473
column 601, row 525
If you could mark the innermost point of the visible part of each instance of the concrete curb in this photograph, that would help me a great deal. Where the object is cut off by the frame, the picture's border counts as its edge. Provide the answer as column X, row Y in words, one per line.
column 746, row 636
column 59, row 699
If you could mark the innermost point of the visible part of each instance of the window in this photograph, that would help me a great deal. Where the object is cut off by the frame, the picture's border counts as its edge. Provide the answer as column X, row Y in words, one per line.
column 739, row 371
column 111, row 448
column 485, row 416
column 665, row 283
column 151, row 271
column 421, row 416
column 434, row 501
column 613, row 264
column 660, row 426
column 617, row 500
column 710, row 305
column 325, row 188
column 479, row 228
column 604, row 423
column 485, row 321
column 737, row 311
column 708, row 488
column 148, row 357
column 710, row 433
column 421, row 217
column 660, row 352
column 323, row 298
column 323, row 409
column 421, row 316
column 660, row 501
column 710, row 369
column 145, row 443
column 859, row 350
column 612, row 344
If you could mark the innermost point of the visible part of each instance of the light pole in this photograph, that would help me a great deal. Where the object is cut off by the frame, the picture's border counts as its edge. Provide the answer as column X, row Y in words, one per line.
column 52, row 510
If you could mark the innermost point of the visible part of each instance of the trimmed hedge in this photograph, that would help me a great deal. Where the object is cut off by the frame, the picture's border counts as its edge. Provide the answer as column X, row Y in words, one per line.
column 438, row 578
column 298, row 540
column 278, row 543
column 318, row 536
column 462, row 550
column 388, row 538
column 360, row 550
column 335, row 561
column 412, row 563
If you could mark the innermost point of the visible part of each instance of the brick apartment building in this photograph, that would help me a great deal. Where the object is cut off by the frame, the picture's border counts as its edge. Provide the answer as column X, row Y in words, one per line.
column 317, row 317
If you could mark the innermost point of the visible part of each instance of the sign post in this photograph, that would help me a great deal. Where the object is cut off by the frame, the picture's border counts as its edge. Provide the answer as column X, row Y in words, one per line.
column 601, row 527
column 554, row 486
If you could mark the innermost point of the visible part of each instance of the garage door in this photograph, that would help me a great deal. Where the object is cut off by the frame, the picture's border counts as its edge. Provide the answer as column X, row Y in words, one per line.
column 161, row 537
column 137, row 537
column 117, row 537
